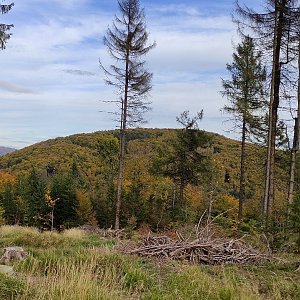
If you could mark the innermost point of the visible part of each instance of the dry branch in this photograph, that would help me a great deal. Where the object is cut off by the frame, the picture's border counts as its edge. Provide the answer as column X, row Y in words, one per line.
column 205, row 251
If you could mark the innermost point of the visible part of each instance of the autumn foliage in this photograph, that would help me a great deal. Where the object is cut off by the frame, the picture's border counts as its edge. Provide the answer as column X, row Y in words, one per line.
column 82, row 188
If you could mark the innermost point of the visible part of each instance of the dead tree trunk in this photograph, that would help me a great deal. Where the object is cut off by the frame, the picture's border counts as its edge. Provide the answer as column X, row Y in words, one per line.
column 295, row 147
column 273, row 111
column 122, row 150
column 242, row 173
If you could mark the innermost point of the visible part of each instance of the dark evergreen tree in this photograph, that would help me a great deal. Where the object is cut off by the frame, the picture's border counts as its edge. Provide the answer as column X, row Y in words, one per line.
column 189, row 158
column 246, row 95
column 63, row 188
column 7, row 201
column 4, row 28
column 34, row 195
column 126, row 41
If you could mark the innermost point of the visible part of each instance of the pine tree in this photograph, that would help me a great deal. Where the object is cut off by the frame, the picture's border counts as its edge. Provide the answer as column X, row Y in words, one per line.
column 189, row 156
column 34, row 193
column 245, row 93
column 63, row 187
column 7, row 201
column 126, row 42
column 4, row 28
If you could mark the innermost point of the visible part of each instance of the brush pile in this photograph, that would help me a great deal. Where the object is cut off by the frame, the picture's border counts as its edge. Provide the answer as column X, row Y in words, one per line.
column 199, row 251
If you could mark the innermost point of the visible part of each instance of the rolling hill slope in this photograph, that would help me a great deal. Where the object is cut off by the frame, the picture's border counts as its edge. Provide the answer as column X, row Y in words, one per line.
column 86, row 150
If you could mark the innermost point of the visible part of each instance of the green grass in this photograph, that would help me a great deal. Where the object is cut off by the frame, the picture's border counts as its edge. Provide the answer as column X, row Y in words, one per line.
column 77, row 266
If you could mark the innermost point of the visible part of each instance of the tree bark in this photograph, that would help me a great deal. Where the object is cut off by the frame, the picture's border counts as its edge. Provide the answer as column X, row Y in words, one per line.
column 242, row 173
column 273, row 112
column 293, row 161
column 123, row 127
column 295, row 147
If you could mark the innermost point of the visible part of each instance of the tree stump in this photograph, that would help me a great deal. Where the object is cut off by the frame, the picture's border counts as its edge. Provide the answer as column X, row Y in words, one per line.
column 11, row 253
column 7, row 270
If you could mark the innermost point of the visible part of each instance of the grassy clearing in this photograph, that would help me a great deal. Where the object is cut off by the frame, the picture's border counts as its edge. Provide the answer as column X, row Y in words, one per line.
column 77, row 266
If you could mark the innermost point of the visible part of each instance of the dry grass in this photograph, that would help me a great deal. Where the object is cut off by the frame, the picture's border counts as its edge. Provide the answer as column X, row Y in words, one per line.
column 76, row 282
column 6, row 230
column 78, row 266
column 74, row 233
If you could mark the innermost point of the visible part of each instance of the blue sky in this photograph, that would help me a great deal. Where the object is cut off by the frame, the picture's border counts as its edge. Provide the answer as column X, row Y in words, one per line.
column 51, row 84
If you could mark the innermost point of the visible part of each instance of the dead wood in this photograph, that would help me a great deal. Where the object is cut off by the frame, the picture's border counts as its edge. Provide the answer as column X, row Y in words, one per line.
column 200, row 250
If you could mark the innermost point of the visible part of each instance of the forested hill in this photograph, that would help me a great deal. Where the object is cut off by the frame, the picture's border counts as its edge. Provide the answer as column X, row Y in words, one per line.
column 5, row 150
column 86, row 150
column 93, row 157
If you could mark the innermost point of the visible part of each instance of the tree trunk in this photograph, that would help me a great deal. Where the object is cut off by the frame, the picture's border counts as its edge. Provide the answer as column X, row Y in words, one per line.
column 242, row 173
column 122, row 149
column 181, row 192
column 293, row 162
column 296, row 139
column 120, row 178
column 273, row 112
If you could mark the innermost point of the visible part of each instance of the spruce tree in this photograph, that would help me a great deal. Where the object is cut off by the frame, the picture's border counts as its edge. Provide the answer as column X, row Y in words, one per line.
column 126, row 42
column 245, row 93
column 34, row 193
column 188, row 158
column 63, row 188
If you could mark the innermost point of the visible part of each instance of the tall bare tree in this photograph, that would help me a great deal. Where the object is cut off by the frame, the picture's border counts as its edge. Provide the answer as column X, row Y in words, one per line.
column 4, row 28
column 126, row 42
column 246, row 95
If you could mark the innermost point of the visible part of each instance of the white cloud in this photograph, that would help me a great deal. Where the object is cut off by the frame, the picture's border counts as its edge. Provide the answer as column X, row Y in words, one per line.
column 57, row 40
column 79, row 72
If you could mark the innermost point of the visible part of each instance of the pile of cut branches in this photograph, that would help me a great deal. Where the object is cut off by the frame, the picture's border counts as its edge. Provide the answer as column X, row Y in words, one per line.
column 204, row 251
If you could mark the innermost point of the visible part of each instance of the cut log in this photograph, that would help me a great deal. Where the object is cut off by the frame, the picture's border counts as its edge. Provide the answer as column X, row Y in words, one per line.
column 11, row 253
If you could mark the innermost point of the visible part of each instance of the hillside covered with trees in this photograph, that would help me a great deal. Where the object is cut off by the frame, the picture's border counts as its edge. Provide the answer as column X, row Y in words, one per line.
column 74, row 178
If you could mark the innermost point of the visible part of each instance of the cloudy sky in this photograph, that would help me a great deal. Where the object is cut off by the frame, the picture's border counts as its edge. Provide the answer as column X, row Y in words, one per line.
column 51, row 84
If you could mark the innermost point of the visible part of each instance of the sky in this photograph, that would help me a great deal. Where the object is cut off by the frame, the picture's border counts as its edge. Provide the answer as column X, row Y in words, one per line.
column 51, row 84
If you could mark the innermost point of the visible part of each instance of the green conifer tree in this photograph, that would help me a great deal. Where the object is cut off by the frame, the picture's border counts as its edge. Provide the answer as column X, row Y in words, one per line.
column 34, row 193
column 245, row 93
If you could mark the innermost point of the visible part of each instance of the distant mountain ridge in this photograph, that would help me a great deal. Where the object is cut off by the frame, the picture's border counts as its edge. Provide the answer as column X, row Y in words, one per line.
column 6, row 150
